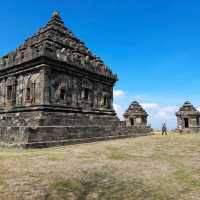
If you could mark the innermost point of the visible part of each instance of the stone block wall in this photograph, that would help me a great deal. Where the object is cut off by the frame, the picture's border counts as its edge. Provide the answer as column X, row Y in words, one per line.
column 34, row 128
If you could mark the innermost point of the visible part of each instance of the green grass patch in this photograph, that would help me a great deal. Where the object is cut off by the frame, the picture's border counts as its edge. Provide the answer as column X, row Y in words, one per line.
column 104, row 186
column 187, row 178
column 115, row 153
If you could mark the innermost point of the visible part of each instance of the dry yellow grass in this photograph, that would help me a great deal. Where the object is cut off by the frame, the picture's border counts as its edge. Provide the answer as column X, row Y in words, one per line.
column 151, row 168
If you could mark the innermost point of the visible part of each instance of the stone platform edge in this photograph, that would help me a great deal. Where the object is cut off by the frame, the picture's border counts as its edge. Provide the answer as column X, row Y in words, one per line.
column 47, row 144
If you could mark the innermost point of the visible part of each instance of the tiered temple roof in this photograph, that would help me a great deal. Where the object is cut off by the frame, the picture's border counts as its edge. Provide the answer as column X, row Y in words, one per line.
column 135, row 109
column 56, row 42
column 188, row 109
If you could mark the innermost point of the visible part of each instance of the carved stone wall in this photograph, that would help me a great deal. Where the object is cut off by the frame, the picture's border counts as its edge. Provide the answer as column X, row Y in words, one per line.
column 79, row 92
column 21, row 90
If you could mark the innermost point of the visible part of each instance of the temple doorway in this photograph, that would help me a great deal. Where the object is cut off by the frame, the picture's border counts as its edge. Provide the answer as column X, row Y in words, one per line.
column 132, row 122
column 197, row 121
column 186, row 122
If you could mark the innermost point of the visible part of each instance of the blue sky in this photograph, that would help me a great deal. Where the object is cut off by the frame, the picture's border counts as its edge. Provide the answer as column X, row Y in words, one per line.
column 153, row 45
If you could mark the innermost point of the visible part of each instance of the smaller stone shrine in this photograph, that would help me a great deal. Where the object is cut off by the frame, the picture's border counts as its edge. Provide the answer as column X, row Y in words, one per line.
column 188, row 118
column 135, row 115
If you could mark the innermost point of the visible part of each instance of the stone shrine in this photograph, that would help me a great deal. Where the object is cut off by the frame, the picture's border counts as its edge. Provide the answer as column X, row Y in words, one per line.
column 135, row 119
column 53, row 89
column 135, row 115
column 188, row 118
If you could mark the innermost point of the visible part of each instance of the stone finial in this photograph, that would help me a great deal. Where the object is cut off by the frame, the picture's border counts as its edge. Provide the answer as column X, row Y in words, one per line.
column 56, row 14
column 56, row 19
column 187, row 103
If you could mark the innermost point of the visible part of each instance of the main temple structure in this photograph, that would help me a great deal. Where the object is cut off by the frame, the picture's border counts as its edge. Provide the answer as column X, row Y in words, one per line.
column 53, row 88
column 51, row 81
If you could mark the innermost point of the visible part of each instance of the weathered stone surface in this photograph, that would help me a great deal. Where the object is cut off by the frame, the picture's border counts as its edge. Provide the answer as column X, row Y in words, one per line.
column 188, row 118
column 54, row 88
column 135, row 119
column 135, row 115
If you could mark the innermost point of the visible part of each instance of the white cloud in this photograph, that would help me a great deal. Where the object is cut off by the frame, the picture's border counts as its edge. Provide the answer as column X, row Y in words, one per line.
column 118, row 93
column 166, row 112
column 119, row 110
column 140, row 97
column 161, row 113
column 150, row 105
column 169, row 108
column 164, row 115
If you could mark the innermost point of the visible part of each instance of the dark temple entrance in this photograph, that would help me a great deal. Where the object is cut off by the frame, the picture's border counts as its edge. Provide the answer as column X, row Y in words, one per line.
column 197, row 121
column 132, row 122
column 186, row 122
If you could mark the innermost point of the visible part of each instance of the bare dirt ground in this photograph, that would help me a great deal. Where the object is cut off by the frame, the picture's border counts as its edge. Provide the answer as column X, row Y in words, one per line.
column 150, row 168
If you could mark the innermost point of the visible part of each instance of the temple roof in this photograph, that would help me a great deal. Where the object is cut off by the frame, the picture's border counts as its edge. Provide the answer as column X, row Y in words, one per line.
column 188, row 109
column 57, row 42
column 135, row 109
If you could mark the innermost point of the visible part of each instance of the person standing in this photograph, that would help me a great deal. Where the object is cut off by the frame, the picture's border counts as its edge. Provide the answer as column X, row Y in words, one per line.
column 180, row 129
column 164, row 129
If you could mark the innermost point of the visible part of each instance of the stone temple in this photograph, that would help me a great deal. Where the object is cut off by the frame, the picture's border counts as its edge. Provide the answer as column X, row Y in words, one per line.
column 136, row 117
column 188, row 118
column 53, row 89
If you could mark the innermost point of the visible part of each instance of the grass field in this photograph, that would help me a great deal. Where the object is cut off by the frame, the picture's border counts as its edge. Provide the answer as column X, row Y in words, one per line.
column 150, row 168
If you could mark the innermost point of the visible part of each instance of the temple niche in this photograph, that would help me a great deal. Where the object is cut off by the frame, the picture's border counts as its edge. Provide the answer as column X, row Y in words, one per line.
column 188, row 118
column 135, row 115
